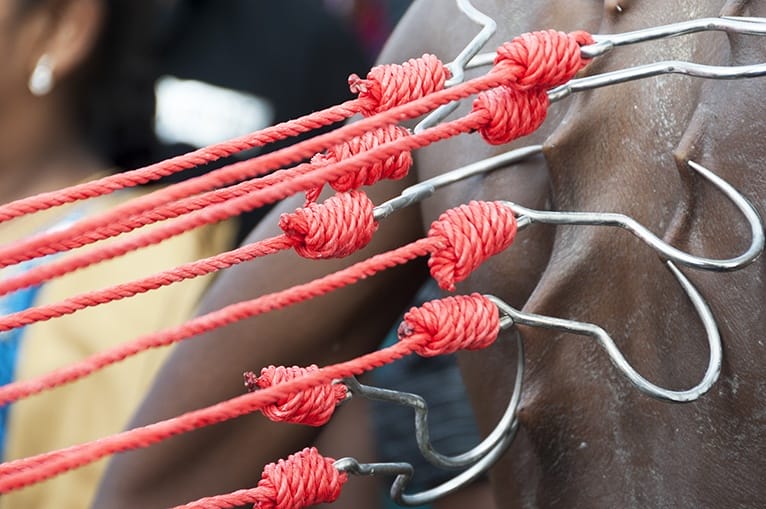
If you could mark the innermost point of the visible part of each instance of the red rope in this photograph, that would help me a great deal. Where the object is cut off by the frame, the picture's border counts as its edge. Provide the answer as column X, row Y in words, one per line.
column 447, row 325
column 301, row 182
column 445, row 243
column 214, row 320
column 313, row 407
column 19, row 473
column 471, row 233
column 388, row 86
column 319, row 231
column 218, row 205
column 395, row 167
column 304, row 479
column 437, row 327
column 332, row 229
column 395, row 84
column 214, row 212
column 500, row 75
column 525, row 66
column 122, row 291
column 107, row 185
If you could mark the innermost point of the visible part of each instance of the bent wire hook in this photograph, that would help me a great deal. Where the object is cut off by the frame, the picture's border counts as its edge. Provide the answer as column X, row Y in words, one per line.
column 478, row 459
column 616, row 356
column 527, row 216
column 458, row 66
column 660, row 246
column 420, row 407
column 605, row 43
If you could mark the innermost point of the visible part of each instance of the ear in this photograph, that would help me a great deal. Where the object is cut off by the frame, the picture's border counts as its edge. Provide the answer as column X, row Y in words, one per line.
column 68, row 35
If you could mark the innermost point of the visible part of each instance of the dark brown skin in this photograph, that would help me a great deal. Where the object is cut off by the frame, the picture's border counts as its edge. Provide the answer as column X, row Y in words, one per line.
column 587, row 437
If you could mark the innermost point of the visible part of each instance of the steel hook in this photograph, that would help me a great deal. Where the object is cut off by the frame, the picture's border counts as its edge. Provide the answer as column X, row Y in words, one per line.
column 663, row 248
column 614, row 353
column 420, row 407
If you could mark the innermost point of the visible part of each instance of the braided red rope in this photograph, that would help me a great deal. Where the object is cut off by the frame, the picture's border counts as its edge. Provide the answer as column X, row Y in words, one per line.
column 517, row 71
column 394, row 83
column 395, row 167
column 445, row 243
column 442, row 246
column 332, row 229
column 313, row 407
column 481, row 118
column 19, row 473
column 304, row 479
column 437, row 327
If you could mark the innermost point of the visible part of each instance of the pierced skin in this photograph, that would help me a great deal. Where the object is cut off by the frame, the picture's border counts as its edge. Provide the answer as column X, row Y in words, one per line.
column 587, row 438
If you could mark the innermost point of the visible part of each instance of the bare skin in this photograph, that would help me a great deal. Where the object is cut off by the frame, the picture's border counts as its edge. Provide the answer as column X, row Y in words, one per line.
column 587, row 438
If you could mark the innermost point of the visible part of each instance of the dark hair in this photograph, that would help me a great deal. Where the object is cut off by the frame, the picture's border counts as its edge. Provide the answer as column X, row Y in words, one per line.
column 113, row 91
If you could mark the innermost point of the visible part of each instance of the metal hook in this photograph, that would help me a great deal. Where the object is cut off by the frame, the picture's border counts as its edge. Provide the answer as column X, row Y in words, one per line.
column 480, row 458
column 469, row 59
column 419, row 192
column 731, row 24
column 646, row 71
column 459, row 481
column 659, row 245
column 458, row 65
column 354, row 467
column 425, row 189
column 606, row 42
column 614, row 353
column 488, row 29
column 405, row 471
column 420, row 407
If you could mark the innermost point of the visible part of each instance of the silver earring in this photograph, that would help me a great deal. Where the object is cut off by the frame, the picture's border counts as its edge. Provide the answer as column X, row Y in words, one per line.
column 41, row 79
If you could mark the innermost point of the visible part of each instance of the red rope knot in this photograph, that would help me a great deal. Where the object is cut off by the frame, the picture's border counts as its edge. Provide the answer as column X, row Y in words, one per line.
column 391, row 85
column 511, row 113
column 535, row 62
column 304, row 479
column 462, row 322
column 395, row 167
column 543, row 59
column 313, row 407
column 335, row 228
column 469, row 234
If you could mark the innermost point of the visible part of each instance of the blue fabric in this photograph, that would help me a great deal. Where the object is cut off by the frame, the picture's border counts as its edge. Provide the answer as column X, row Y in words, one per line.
column 10, row 341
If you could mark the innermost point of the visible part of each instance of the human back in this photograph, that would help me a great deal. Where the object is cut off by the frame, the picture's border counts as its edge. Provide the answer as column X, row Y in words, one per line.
column 587, row 437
